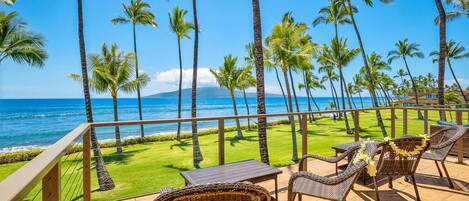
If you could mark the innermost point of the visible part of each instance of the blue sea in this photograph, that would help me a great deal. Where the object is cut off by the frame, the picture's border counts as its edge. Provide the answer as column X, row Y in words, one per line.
column 31, row 123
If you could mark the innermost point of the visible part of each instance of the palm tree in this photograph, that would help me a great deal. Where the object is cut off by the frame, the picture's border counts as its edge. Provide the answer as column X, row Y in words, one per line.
column 245, row 82
column 334, row 13
column 111, row 73
column 271, row 64
column 262, row 121
column 286, row 41
column 181, row 29
column 339, row 56
column 136, row 13
column 405, row 50
column 19, row 44
column 442, row 57
column 358, row 87
column 377, row 66
column 331, row 76
column 350, row 10
column 229, row 76
column 197, row 154
column 461, row 6
column 401, row 73
column 453, row 51
column 104, row 179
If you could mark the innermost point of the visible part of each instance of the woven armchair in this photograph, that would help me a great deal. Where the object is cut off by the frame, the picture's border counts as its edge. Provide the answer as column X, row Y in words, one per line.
column 442, row 142
column 217, row 192
column 392, row 164
column 335, row 187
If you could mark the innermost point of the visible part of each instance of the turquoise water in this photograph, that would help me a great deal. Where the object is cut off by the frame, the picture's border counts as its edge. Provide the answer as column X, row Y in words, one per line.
column 29, row 123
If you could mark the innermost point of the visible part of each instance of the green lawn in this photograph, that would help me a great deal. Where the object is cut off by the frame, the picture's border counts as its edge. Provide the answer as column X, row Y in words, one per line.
column 146, row 168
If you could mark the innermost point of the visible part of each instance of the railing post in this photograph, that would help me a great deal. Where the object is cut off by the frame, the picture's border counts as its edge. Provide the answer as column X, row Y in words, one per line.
column 304, row 138
column 51, row 184
column 460, row 142
column 221, row 141
column 393, row 123
column 357, row 126
column 404, row 122
column 425, row 122
column 87, row 166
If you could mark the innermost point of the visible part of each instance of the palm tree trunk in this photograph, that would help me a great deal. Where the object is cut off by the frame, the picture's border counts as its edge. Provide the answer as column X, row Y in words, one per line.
column 367, row 68
column 262, row 121
column 456, row 80
column 117, row 130
column 337, row 106
column 311, row 116
column 197, row 154
column 178, row 135
column 347, row 126
column 247, row 108
column 361, row 99
column 414, row 87
column 296, row 99
column 291, row 118
column 441, row 58
column 385, row 94
column 104, row 179
column 142, row 133
column 235, row 109
column 314, row 101
column 281, row 88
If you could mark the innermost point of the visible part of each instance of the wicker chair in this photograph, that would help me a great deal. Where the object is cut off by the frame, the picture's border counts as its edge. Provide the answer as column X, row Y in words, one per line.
column 217, row 192
column 392, row 164
column 334, row 187
column 442, row 142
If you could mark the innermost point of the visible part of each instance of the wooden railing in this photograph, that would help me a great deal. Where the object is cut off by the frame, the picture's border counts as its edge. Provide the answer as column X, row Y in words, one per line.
column 46, row 166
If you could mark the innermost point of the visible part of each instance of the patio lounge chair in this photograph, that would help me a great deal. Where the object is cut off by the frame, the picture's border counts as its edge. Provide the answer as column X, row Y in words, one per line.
column 217, row 192
column 442, row 142
column 334, row 187
column 392, row 164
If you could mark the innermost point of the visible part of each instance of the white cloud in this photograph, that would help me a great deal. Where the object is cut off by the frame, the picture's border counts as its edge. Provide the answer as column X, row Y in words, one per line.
column 171, row 77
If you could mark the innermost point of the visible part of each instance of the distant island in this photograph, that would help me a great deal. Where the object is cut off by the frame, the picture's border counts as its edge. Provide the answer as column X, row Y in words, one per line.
column 207, row 92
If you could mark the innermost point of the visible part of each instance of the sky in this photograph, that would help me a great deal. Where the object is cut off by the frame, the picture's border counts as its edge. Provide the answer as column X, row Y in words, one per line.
column 225, row 28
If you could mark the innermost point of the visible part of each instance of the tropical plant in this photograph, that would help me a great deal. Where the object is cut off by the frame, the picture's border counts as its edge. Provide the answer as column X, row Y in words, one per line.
column 181, row 28
column 378, row 66
column 358, row 87
column 441, row 57
column 136, row 13
column 351, row 10
column 197, row 154
column 105, row 181
column 19, row 44
column 262, row 121
column 230, row 76
column 452, row 98
column 405, row 50
column 246, row 81
column 340, row 56
column 334, row 13
column 8, row 2
column 111, row 73
column 286, row 41
column 453, row 51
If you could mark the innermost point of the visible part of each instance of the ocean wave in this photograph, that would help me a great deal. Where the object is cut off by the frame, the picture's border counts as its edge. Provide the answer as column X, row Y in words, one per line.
column 41, row 115
column 22, row 148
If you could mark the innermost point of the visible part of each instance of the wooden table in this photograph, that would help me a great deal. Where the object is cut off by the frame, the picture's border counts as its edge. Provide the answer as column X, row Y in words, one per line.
column 248, row 170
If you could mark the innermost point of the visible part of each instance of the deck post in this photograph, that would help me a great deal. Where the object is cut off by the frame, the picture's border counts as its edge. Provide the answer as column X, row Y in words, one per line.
column 425, row 122
column 304, row 138
column 404, row 121
column 221, row 141
column 87, row 166
column 51, row 184
column 460, row 142
column 357, row 125
column 393, row 123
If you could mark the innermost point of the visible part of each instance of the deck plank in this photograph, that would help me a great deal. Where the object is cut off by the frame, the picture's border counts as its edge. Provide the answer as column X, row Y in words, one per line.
column 430, row 185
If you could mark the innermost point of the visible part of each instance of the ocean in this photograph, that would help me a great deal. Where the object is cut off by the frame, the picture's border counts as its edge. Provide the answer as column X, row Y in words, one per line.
column 33, row 123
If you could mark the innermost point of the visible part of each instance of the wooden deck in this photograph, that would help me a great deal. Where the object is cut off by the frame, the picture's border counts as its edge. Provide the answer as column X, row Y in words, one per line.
column 430, row 185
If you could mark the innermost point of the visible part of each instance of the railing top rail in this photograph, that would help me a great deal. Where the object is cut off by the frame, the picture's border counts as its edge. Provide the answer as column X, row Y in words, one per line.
column 20, row 183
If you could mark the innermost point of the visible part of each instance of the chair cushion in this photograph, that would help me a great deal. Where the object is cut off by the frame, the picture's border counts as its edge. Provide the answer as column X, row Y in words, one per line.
column 446, row 123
